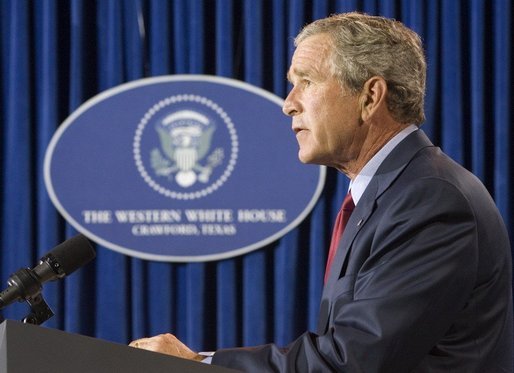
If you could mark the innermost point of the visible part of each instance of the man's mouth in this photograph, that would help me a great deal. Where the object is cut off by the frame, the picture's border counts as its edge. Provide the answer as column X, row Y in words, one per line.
column 297, row 129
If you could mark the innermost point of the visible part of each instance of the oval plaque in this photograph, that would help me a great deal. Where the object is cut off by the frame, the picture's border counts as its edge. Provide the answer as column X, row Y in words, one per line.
column 181, row 168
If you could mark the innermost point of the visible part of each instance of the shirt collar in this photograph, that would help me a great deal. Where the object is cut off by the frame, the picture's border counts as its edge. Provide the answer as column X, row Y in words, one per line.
column 360, row 183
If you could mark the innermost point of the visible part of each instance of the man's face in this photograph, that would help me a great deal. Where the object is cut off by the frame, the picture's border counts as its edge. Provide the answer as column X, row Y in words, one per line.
column 326, row 119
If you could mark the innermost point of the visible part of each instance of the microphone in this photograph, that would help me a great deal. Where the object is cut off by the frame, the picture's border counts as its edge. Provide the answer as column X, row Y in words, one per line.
column 61, row 261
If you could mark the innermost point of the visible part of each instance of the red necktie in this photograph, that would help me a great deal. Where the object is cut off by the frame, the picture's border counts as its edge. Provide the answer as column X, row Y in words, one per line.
column 341, row 220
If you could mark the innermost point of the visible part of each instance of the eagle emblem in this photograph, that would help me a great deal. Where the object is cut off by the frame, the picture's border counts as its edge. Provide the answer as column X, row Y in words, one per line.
column 185, row 140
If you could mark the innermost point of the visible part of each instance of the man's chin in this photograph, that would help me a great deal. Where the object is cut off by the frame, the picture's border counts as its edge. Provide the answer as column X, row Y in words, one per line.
column 307, row 159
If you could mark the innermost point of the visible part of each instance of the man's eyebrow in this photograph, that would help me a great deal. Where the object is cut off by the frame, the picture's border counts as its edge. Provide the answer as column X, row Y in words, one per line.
column 298, row 73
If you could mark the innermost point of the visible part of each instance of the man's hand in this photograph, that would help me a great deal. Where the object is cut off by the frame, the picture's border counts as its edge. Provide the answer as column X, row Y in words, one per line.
column 166, row 344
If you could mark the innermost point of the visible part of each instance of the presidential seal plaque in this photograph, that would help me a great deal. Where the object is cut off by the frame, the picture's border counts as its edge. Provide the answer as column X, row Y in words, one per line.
column 181, row 168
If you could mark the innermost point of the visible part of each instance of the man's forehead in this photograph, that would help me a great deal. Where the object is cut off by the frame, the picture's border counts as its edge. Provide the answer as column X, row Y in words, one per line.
column 314, row 44
column 309, row 56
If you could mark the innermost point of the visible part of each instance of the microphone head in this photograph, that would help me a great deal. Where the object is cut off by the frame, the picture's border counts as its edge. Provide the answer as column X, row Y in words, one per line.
column 70, row 255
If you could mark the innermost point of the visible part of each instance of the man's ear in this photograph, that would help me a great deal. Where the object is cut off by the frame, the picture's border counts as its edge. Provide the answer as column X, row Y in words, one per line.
column 373, row 97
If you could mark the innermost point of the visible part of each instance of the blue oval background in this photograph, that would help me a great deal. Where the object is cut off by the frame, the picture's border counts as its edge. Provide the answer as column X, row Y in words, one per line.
column 123, row 169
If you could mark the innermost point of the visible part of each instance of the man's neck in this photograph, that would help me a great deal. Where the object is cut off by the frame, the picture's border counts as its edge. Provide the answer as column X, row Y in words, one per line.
column 376, row 138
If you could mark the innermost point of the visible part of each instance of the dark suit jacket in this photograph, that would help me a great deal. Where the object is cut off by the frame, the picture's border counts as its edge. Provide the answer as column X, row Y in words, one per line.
column 421, row 281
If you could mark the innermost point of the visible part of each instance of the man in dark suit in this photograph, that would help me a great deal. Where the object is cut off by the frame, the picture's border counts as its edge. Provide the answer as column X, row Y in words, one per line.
column 420, row 275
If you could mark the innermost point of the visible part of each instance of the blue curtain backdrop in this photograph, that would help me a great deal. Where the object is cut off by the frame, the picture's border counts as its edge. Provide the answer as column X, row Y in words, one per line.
column 57, row 54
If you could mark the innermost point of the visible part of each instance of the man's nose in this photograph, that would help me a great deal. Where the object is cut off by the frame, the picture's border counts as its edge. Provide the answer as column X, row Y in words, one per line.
column 291, row 106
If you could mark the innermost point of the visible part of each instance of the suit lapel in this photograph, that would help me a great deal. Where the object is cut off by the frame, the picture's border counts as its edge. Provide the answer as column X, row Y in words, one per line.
column 388, row 171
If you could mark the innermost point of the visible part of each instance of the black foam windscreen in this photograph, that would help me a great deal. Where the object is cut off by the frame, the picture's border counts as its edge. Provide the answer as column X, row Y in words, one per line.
column 72, row 254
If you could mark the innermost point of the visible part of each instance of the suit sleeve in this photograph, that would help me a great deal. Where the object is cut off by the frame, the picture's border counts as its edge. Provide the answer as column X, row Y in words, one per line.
column 416, row 274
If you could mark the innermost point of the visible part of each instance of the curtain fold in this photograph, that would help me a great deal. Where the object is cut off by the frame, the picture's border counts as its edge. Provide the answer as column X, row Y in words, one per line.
column 18, row 138
column 502, row 104
column 46, row 111
column 477, row 88
column 55, row 56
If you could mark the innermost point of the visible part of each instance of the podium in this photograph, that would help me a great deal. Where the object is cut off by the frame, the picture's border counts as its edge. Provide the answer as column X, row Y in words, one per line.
column 26, row 348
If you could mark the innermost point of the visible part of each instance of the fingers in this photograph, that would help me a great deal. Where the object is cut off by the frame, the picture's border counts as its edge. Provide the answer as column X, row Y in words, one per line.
column 137, row 343
column 146, row 344
column 166, row 344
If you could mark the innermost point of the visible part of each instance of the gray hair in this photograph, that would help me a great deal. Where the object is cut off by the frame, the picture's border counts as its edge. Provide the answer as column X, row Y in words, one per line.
column 367, row 46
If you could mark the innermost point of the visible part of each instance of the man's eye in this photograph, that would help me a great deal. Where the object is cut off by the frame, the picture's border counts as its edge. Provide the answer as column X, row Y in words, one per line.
column 306, row 82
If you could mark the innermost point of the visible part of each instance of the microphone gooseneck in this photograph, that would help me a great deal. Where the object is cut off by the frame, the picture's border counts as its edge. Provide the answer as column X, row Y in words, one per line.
column 61, row 261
